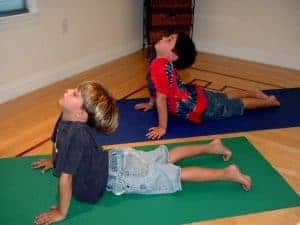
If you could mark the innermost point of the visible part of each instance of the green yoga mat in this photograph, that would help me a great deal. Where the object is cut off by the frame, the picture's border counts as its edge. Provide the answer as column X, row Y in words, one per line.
column 26, row 193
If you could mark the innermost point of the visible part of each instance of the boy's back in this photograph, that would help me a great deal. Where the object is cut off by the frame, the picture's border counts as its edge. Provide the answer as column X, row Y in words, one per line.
column 77, row 153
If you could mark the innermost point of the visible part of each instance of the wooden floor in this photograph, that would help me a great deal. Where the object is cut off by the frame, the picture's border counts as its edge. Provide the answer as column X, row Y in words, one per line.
column 27, row 122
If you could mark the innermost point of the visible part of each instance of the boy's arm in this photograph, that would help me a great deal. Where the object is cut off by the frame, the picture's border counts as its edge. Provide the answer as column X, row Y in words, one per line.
column 151, row 101
column 146, row 106
column 58, row 213
column 162, row 111
column 65, row 192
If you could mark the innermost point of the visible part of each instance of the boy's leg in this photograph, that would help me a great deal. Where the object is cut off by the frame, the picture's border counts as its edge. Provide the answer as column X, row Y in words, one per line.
column 214, row 147
column 230, row 173
column 232, row 94
column 253, row 103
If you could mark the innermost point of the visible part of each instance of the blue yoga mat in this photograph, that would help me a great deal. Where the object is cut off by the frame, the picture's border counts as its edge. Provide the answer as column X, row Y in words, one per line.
column 135, row 123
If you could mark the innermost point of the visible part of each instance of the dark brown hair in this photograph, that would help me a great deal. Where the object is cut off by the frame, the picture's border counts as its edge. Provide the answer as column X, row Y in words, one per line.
column 185, row 50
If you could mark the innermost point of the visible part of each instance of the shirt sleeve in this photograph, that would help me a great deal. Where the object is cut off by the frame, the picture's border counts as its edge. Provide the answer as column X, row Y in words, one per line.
column 159, row 76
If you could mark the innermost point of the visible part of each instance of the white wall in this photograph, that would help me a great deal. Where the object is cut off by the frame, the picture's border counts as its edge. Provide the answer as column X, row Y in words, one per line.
column 66, row 37
column 266, row 31
column 70, row 36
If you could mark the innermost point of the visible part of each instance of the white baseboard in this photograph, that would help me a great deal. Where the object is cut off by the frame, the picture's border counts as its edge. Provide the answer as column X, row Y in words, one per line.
column 9, row 91
column 254, row 55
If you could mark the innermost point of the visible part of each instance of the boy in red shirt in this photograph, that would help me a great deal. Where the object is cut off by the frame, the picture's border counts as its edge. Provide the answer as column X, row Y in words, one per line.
column 190, row 102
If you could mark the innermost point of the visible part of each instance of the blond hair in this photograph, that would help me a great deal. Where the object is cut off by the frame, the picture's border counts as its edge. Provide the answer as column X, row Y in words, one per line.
column 103, row 114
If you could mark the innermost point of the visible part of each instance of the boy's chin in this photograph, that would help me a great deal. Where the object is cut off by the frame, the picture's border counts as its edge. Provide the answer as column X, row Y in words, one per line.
column 60, row 102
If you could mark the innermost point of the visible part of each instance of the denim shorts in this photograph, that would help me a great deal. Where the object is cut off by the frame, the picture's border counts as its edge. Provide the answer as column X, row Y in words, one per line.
column 134, row 171
column 220, row 106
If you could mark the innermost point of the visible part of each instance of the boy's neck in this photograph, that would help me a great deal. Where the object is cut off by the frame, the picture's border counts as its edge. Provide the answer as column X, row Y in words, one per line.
column 163, row 57
column 71, row 117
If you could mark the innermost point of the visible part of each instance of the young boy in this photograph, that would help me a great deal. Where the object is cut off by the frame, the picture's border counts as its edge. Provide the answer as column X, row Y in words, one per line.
column 79, row 162
column 190, row 102
column 85, row 170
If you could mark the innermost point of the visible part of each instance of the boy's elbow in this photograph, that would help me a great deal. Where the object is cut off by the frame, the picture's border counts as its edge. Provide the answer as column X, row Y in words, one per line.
column 161, row 97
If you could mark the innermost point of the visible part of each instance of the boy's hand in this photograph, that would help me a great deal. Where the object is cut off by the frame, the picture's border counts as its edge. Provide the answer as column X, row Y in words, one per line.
column 49, row 217
column 156, row 132
column 146, row 106
column 45, row 164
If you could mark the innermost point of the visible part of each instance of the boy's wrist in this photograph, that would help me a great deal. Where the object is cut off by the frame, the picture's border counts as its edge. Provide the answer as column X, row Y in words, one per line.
column 63, row 212
column 162, row 127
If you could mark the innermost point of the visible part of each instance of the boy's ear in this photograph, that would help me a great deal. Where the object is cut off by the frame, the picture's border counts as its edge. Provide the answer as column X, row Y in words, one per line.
column 173, row 56
column 82, row 115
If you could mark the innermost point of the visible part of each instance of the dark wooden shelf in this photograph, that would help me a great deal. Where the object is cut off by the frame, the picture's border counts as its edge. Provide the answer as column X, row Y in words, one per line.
column 164, row 17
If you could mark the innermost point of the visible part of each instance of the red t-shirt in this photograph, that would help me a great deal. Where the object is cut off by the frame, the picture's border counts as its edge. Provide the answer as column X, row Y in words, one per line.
column 186, row 101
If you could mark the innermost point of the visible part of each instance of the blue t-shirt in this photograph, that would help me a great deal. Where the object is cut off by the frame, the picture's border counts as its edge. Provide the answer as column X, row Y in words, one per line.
column 77, row 153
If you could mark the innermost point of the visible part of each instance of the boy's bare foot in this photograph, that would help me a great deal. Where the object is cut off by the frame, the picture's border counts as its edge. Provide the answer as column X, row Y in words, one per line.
column 260, row 94
column 273, row 100
column 234, row 174
column 217, row 147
